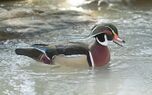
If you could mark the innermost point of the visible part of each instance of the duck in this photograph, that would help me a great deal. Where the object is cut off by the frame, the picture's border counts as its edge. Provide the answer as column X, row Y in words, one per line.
column 97, row 53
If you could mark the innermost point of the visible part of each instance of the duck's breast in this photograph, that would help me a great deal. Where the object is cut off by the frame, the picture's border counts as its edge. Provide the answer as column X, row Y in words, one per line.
column 100, row 55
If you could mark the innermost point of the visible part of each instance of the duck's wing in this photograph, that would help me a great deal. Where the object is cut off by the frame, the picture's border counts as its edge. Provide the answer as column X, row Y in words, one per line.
column 41, row 46
column 45, row 52
column 81, row 44
column 36, row 51
column 30, row 52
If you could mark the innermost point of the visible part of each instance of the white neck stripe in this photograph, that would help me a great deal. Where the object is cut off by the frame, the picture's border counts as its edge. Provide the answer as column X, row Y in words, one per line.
column 105, row 43
column 91, row 58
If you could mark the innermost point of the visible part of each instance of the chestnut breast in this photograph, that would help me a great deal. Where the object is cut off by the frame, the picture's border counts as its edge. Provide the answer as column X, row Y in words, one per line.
column 100, row 55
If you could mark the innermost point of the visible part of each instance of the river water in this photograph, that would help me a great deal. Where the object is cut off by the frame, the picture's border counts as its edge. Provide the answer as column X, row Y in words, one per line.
column 25, row 23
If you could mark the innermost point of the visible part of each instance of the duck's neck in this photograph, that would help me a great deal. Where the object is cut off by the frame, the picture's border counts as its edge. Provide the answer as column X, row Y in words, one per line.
column 99, row 54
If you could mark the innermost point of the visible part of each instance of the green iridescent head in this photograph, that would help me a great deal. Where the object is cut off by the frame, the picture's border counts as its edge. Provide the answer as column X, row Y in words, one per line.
column 106, row 32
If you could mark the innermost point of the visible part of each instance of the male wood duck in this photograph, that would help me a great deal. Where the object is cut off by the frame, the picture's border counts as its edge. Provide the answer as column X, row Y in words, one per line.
column 97, row 53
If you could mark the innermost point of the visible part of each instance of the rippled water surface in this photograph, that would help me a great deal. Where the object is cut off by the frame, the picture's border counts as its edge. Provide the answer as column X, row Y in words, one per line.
column 23, row 24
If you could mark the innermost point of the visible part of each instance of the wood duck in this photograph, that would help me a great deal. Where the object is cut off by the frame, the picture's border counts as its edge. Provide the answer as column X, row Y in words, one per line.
column 97, row 53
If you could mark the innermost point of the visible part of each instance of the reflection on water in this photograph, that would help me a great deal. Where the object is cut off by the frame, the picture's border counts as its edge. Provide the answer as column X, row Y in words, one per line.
column 129, row 72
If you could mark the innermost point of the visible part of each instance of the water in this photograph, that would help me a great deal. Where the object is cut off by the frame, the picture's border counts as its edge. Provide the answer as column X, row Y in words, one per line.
column 129, row 72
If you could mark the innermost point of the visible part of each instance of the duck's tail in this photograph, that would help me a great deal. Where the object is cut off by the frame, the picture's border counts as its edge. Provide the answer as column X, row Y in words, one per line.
column 30, row 52
column 34, row 53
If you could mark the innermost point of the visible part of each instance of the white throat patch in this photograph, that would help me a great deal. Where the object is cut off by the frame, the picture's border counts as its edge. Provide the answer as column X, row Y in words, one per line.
column 105, row 43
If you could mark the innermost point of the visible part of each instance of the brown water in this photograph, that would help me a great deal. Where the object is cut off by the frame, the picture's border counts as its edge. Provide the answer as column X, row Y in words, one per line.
column 23, row 24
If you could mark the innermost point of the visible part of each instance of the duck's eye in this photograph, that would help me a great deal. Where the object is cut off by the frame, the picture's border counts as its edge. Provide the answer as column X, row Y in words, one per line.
column 101, row 37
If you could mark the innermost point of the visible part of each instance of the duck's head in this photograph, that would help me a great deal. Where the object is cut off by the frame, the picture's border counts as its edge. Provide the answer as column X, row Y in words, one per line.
column 104, row 33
